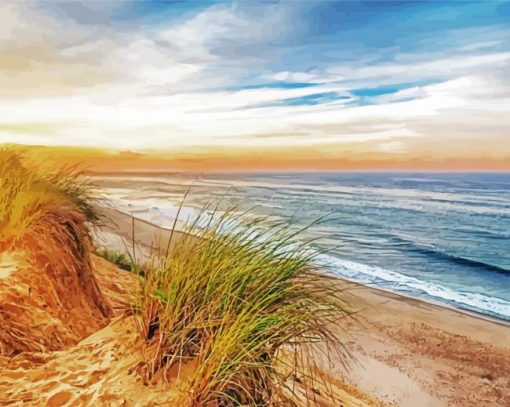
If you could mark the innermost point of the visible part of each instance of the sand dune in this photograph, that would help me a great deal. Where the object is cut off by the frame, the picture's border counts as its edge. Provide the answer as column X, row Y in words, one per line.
column 71, row 334
column 407, row 352
column 102, row 368
column 49, row 297
column 99, row 370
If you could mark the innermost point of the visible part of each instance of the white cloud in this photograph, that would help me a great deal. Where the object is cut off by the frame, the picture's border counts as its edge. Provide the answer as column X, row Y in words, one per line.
column 213, row 118
column 392, row 147
column 143, row 89
column 412, row 68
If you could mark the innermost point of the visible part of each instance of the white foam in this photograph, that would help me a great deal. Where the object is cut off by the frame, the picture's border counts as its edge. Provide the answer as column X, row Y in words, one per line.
column 373, row 275
column 156, row 211
column 164, row 211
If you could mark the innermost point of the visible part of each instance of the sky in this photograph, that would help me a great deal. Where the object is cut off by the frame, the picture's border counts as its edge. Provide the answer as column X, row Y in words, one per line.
column 267, row 84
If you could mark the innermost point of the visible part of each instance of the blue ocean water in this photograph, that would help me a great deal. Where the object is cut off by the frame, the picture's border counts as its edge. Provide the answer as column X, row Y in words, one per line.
column 441, row 237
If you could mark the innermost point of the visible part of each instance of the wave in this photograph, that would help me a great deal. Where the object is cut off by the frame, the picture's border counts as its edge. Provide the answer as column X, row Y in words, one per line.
column 157, row 211
column 164, row 210
column 373, row 275
column 412, row 246
column 463, row 261
column 396, row 192
column 161, row 211
column 396, row 197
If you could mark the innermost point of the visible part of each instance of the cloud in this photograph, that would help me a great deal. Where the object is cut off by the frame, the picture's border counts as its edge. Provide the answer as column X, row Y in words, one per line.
column 36, row 59
column 228, row 76
column 412, row 68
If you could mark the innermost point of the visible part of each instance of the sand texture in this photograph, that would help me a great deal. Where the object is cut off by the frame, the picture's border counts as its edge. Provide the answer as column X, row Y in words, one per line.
column 101, row 370
column 406, row 352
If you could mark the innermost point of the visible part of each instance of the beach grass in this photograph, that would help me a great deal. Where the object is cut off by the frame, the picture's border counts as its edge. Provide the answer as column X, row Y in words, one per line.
column 45, row 218
column 120, row 259
column 32, row 198
column 244, row 305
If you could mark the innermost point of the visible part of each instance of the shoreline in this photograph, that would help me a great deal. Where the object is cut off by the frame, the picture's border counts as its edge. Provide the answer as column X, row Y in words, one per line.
column 427, row 354
column 435, row 303
column 124, row 217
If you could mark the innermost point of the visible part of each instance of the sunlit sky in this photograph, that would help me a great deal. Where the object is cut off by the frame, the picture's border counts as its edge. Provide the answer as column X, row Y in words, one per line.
column 370, row 82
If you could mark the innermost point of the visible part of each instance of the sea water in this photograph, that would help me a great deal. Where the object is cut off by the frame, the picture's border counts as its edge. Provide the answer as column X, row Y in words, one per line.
column 441, row 237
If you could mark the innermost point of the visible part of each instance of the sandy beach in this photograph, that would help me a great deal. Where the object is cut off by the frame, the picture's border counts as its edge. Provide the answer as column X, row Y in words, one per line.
column 407, row 352
column 255, row 203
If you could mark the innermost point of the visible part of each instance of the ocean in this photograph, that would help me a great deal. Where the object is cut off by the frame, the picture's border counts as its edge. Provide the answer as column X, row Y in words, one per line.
column 439, row 237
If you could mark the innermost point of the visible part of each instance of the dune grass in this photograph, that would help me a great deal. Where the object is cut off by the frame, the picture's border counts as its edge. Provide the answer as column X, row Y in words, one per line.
column 244, row 305
column 120, row 259
column 31, row 197
column 45, row 218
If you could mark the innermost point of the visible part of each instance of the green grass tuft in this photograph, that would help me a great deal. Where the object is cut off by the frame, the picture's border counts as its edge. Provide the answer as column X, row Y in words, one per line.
column 120, row 259
column 245, row 305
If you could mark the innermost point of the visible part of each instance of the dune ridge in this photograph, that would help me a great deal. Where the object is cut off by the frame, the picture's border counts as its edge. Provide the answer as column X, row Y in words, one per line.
column 49, row 297
column 102, row 368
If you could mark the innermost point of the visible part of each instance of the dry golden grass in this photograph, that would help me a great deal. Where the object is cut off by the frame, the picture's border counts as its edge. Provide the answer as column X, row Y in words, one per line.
column 50, row 299
column 31, row 198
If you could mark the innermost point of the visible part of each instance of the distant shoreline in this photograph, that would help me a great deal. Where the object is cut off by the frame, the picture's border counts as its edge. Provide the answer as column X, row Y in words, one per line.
column 120, row 173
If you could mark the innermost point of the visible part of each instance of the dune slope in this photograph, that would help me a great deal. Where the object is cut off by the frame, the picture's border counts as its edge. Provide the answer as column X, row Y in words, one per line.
column 102, row 368
column 49, row 298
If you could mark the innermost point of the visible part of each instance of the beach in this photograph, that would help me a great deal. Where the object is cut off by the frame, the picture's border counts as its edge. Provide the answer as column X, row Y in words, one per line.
column 437, row 237
column 407, row 352
column 263, row 203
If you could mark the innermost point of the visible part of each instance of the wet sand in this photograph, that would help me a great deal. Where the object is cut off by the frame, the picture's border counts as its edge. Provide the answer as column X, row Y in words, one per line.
column 407, row 352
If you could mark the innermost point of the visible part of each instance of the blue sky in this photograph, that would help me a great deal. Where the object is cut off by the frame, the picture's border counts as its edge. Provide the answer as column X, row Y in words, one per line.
column 372, row 76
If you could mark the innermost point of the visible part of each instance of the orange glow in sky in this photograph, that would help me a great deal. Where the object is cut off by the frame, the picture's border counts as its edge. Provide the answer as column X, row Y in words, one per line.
column 258, row 86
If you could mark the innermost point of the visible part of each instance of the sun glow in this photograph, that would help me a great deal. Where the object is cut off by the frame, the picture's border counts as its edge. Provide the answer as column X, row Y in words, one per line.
column 229, row 88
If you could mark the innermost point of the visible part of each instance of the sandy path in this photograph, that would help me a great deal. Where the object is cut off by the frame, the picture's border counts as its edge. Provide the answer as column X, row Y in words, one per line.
column 96, row 372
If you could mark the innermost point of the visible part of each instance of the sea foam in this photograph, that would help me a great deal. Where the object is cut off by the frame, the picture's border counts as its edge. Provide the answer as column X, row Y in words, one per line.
column 397, row 282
